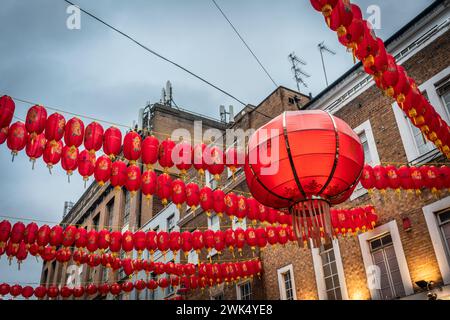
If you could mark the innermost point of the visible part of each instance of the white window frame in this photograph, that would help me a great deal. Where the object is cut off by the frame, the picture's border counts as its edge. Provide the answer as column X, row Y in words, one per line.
column 366, row 127
column 214, row 228
column 193, row 257
column 364, row 244
column 208, row 178
column 238, row 289
column 443, row 260
column 404, row 124
column 281, row 283
column 320, row 278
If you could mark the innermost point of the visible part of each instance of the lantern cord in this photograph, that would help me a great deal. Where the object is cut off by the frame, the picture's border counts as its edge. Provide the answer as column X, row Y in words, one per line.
column 155, row 53
column 245, row 43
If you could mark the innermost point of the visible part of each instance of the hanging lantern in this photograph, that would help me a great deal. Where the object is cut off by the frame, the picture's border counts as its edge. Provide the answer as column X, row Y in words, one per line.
column 140, row 285
column 115, row 242
column 165, row 154
column 324, row 6
column 56, row 236
column 272, row 216
column 151, row 242
column 406, row 182
column 148, row 184
column 52, row 153
column 115, row 289
column 93, row 137
column 22, row 253
column 178, row 192
column 250, row 237
column 36, row 120
column 81, row 238
column 368, row 48
column 393, row 178
column 282, row 235
column 164, row 188
column 402, row 87
column 127, row 242
column 416, row 175
column 206, row 200
column 240, row 239
column 368, row 178
column 230, row 240
column 152, row 285
column 86, row 165
column 355, row 31
column 103, row 289
column 92, row 239
column 253, row 210
column 17, row 138
column 133, row 182
column 215, row 161
column 118, row 174
column 112, row 142
column 444, row 173
column 127, row 266
column 163, row 283
column 54, row 127
column 102, row 171
column 197, row 241
column 175, row 242
column 192, row 195
column 261, row 238
column 208, row 236
column 139, row 240
column 219, row 202
column 186, row 243
column 132, row 146
column 103, row 240
column 3, row 135
column 272, row 236
column 380, row 178
column 150, row 149
column 7, row 108
column 341, row 17
column 27, row 292
column 92, row 289
column 183, row 157
column 242, row 208
column 200, row 164
column 163, row 242
column 390, row 76
column 15, row 290
column 35, row 147
column 263, row 213
column 43, row 236
column 74, row 133
column 231, row 205
column 17, row 234
column 69, row 160
column 30, row 233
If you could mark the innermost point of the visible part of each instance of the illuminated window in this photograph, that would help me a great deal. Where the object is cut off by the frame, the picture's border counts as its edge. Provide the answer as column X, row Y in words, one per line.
column 286, row 283
column 245, row 291
column 330, row 274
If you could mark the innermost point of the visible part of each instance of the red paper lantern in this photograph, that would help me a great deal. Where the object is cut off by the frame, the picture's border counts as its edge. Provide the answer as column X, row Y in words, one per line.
column 390, row 76
column 230, row 240
column 81, row 238
column 418, row 181
column 127, row 241
column 272, row 235
column 93, row 137
column 102, row 171
column 206, row 200
column 163, row 282
column 197, row 241
column 242, row 208
column 355, row 31
column 208, row 236
column 250, row 237
column 115, row 243
column 200, row 150
column 27, row 292
column 139, row 242
column 15, row 290
column 91, row 289
column 43, row 236
column 103, row 289
column 253, row 210
column 52, row 292
column 368, row 48
column 17, row 138
column 231, row 205
column 69, row 160
column 150, row 149
column 7, row 108
column 66, row 292
column 393, row 178
column 74, row 133
column 380, row 177
column 52, row 153
column 140, row 285
column 17, row 233
column 324, row 6
column 118, row 174
column 103, row 240
column 240, row 239
column 261, row 238
column 282, row 235
column 3, row 134
column 92, row 239
column 127, row 265
column 54, row 127
column 219, row 241
column 444, row 172
column 148, row 184
column 192, row 195
column 165, row 154
column 152, row 285
column 263, row 212
column 341, row 17
column 115, row 289
column 404, row 175
column 164, row 188
column 56, row 236
column 368, row 178
column 175, row 242
column 219, row 202
column 35, row 147
column 178, row 192
column 86, row 164
column 30, row 233
column 215, row 161
column 112, row 142
column 133, row 182
column 132, row 146
column 163, row 241
column 183, row 156
column 36, row 120
column 151, row 241
column 186, row 243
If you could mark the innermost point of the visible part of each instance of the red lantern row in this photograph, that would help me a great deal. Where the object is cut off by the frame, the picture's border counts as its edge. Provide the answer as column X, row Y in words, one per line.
column 355, row 33
column 406, row 178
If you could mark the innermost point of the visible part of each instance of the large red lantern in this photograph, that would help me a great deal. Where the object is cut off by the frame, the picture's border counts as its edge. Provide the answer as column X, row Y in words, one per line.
column 112, row 142
column 69, row 160
column 192, row 195
column 341, row 17
column 52, row 153
column 311, row 176
column 102, row 172
column 17, row 138
column 86, row 164
column 133, row 182
column 150, row 147
column 118, row 174
column 54, row 127
column 178, row 192
column 215, row 161
column 183, row 156
column 35, row 147
column 93, row 137
column 7, row 108
column 219, row 202
column 36, row 120
column 200, row 164
column 74, row 133
column 148, row 185
column 165, row 154
column 132, row 146
column 164, row 188
column 206, row 200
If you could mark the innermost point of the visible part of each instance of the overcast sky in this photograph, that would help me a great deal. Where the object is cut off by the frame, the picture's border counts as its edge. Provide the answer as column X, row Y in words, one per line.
column 96, row 72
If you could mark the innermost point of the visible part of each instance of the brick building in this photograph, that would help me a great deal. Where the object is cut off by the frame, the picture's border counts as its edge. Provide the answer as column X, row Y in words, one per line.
column 346, row 269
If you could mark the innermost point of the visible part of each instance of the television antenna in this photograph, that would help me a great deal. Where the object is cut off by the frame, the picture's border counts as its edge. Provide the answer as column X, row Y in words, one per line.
column 299, row 74
column 322, row 47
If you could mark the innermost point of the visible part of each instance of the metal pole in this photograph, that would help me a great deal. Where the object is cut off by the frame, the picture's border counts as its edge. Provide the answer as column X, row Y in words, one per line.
column 323, row 66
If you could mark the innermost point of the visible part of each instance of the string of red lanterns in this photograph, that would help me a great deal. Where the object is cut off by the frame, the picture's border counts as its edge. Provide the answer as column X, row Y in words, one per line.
column 356, row 34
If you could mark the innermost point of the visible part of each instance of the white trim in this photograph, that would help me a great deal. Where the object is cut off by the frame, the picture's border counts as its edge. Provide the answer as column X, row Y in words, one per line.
column 366, row 127
column 214, row 228
column 318, row 270
column 238, row 289
column 404, row 124
column 364, row 239
column 281, row 284
column 429, row 212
